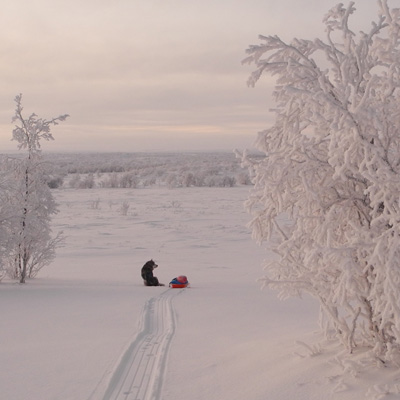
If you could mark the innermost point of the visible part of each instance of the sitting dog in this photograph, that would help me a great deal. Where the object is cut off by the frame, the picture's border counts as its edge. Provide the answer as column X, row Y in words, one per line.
column 147, row 274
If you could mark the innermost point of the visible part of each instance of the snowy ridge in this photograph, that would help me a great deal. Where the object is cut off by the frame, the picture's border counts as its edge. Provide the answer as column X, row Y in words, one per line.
column 140, row 371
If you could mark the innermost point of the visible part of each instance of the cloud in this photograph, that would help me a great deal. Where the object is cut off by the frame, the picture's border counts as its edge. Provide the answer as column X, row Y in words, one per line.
column 154, row 66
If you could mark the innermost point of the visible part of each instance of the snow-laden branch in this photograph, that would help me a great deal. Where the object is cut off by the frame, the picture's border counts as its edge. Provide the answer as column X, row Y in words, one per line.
column 28, row 132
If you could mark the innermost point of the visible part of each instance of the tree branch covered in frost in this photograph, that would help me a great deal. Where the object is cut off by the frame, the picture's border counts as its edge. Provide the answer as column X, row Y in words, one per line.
column 332, row 169
column 28, row 132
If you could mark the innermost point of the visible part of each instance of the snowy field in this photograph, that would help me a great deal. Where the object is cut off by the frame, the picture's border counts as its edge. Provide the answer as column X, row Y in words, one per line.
column 87, row 329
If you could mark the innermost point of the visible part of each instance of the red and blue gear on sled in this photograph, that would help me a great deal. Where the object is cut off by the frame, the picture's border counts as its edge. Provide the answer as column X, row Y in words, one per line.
column 179, row 282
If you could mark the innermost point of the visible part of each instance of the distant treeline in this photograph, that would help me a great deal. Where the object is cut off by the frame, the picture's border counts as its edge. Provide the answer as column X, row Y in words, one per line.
column 138, row 170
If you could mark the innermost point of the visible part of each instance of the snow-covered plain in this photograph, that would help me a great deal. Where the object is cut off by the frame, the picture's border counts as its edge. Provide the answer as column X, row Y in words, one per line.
column 87, row 329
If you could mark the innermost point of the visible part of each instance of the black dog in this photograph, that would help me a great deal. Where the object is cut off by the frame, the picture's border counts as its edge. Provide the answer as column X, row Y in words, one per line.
column 147, row 274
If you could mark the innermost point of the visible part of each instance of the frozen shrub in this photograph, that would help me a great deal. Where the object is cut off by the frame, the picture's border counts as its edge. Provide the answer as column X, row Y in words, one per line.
column 75, row 181
column 331, row 163
column 124, row 208
column 243, row 178
column 128, row 180
column 55, row 182
column 95, row 204
column 87, row 182
column 228, row 181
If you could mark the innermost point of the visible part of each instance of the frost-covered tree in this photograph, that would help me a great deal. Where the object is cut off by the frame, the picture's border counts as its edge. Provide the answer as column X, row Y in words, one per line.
column 30, row 245
column 6, row 212
column 327, row 192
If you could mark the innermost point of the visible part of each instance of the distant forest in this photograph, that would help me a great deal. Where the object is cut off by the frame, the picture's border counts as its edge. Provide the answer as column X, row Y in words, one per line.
column 139, row 170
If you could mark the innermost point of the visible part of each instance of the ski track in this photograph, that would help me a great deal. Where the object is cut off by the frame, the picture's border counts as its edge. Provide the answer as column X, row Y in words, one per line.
column 140, row 372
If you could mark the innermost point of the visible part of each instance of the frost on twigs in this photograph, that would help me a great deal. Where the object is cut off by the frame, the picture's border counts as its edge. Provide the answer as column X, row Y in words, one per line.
column 28, row 132
column 385, row 391
column 326, row 194
column 310, row 350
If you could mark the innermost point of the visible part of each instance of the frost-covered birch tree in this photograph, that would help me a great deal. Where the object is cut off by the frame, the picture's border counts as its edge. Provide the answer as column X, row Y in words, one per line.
column 327, row 191
column 30, row 243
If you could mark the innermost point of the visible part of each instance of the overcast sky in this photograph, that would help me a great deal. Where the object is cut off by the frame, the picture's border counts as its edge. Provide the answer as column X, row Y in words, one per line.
column 146, row 75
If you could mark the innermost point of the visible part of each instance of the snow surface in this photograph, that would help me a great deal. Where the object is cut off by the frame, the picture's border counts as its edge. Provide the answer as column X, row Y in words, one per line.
column 87, row 329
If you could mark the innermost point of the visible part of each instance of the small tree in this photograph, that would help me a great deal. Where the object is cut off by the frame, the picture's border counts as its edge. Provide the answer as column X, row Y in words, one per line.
column 30, row 244
column 332, row 166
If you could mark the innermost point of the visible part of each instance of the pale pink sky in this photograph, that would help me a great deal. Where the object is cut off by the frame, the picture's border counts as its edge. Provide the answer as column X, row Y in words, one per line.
column 146, row 75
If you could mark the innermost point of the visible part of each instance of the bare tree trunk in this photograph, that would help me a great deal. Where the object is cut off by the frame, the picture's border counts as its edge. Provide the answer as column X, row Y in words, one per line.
column 23, row 251
column 25, row 259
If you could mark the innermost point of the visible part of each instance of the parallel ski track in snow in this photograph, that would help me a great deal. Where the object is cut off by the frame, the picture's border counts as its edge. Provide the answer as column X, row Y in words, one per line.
column 140, row 372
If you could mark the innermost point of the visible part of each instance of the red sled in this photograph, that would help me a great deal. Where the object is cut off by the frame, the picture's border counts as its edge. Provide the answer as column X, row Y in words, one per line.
column 179, row 283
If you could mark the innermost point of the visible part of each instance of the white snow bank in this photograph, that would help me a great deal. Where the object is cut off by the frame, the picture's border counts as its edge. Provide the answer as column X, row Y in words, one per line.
column 64, row 333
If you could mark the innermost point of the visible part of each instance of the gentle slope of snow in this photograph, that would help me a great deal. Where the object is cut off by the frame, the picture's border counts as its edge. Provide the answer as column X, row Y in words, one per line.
column 68, row 333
